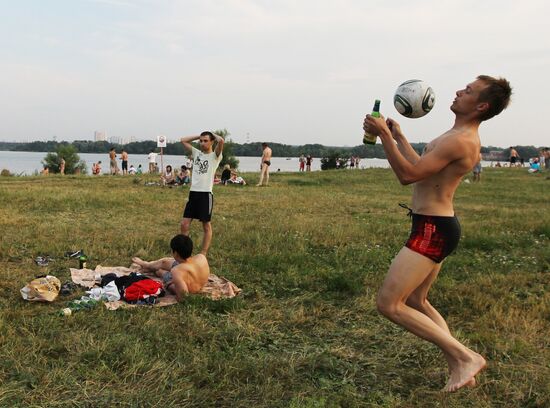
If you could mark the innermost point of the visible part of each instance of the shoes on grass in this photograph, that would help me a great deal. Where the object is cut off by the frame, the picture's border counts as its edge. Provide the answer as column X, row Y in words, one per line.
column 74, row 254
column 67, row 288
column 42, row 260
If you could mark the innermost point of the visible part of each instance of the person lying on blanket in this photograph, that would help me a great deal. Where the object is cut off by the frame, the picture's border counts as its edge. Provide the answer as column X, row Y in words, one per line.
column 182, row 273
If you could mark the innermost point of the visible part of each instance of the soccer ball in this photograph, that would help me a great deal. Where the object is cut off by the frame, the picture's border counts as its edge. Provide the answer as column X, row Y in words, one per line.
column 414, row 98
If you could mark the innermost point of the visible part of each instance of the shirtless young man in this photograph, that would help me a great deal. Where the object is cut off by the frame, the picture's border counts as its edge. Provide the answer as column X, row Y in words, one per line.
column 435, row 229
column 514, row 157
column 112, row 161
column 264, row 165
column 182, row 273
column 124, row 158
column 201, row 200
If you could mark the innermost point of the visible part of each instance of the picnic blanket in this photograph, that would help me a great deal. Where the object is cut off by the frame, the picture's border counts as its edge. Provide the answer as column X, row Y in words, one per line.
column 216, row 288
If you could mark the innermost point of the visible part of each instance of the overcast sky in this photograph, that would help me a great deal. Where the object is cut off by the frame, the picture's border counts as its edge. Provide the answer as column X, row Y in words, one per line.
column 287, row 71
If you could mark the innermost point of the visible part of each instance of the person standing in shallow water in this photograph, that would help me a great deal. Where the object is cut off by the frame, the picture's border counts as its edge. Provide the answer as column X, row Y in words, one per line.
column 403, row 297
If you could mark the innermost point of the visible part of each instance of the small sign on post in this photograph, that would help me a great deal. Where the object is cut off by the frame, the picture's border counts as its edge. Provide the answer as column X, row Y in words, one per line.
column 161, row 142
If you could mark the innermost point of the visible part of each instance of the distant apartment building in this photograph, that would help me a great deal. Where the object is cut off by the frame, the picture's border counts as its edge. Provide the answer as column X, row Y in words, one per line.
column 124, row 140
column 115, row 140
column 99, row 136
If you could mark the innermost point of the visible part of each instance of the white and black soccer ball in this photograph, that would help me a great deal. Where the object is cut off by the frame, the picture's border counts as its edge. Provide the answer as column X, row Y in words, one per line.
column 414, row 98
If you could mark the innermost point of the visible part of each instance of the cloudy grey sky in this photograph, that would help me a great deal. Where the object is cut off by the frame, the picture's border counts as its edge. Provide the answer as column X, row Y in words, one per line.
column 288, row 71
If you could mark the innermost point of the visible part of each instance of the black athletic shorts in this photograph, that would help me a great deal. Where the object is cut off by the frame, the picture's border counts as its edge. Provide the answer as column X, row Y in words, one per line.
column 435, row 237
column 199, row 206
column 124, row 164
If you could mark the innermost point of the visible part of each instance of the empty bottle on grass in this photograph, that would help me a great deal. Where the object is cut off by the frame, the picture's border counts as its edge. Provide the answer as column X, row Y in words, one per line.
column 83, row 303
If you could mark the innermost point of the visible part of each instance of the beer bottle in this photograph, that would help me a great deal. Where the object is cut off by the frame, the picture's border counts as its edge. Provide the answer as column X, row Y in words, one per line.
column 82, row 259
column 369, row 138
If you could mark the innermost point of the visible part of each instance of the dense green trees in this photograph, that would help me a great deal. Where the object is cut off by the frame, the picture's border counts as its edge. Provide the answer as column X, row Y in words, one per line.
column 233, row 149
column 228, row 150
column 73, row 164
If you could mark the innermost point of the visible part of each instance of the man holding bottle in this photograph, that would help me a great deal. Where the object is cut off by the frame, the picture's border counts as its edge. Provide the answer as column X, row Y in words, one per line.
column 435, row 232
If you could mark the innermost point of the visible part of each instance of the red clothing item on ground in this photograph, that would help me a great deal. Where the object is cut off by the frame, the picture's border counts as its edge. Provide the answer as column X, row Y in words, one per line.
column 142, row 289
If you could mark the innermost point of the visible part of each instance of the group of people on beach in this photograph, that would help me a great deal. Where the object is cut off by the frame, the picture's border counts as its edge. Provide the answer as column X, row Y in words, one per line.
column 171, row 177
column 304, row 162
column 540, row 162
column 435, row 231
column 535, row 164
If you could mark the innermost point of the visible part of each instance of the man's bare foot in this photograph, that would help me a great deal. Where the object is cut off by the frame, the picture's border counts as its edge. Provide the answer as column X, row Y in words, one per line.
column 140, row 262
column 258, row 185
column 465, row 372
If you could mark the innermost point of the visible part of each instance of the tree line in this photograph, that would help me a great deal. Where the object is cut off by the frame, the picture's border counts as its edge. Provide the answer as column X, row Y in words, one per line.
column 246, row 149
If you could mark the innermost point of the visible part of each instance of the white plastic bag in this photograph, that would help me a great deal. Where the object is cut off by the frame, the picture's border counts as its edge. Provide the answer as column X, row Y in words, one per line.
column 108, row 292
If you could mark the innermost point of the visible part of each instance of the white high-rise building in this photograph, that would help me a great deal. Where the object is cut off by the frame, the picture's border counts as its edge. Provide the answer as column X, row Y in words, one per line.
column 99, row 136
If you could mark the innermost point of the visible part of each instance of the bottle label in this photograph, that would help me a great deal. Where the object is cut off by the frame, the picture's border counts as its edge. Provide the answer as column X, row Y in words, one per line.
column 369, row 139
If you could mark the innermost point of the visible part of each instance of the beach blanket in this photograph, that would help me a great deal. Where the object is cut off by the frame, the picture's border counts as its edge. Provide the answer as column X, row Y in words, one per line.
column 216, row 288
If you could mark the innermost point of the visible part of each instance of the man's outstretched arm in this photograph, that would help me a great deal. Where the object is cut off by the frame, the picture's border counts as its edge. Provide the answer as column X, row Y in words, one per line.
column 426, row 166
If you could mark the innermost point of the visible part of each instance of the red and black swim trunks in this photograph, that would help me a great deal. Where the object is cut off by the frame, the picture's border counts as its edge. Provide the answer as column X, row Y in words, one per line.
column 435, row 237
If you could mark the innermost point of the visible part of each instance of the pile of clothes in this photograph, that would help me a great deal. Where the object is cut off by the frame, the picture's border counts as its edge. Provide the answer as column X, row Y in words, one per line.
column 134, row 288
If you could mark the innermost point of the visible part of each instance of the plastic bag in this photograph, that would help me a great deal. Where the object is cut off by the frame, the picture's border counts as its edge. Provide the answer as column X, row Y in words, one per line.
column 44, row 289
column 108, row 292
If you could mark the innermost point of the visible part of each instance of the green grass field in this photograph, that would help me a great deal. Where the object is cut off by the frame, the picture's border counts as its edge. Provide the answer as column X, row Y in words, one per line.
column 309, row 252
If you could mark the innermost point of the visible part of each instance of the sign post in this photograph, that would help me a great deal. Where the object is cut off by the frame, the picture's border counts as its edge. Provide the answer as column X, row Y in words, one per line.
column 161, row 142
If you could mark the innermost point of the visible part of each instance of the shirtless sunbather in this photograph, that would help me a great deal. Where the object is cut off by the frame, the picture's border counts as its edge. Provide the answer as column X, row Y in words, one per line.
column 182, row 273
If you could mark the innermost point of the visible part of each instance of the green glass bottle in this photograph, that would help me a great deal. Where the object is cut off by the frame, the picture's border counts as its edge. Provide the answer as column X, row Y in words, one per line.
column 82, row 259
column 369, row 138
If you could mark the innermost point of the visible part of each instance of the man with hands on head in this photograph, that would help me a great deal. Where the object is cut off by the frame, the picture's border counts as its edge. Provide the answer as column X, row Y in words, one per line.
column 435, row 231
column 201, row 200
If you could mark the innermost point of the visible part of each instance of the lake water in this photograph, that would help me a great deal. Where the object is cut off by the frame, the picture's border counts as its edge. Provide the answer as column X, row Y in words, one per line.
column 29, row 163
